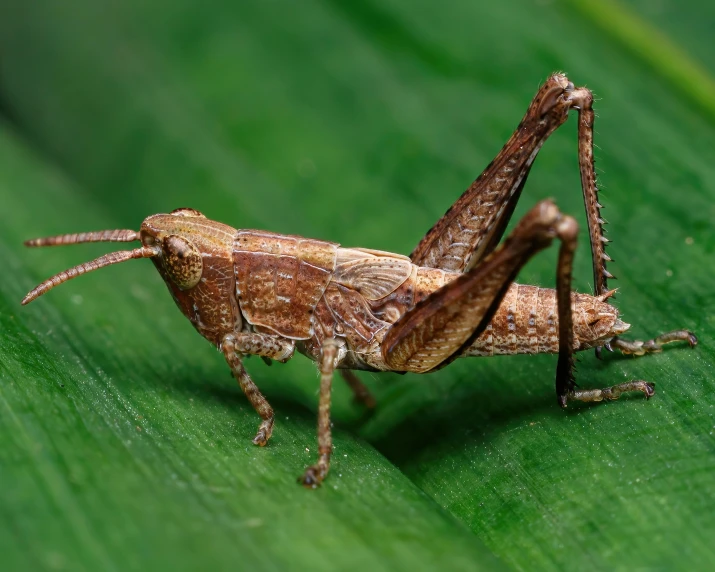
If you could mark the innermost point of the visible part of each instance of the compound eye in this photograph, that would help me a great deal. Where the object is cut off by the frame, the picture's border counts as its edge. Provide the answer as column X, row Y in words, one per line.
column 185, row 211
column 182, row 261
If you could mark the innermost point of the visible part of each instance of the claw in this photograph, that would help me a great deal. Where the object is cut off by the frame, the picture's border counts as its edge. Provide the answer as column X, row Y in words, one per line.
column 610, row 393
column 648, row 389
column 263, row 435
column 311, row 478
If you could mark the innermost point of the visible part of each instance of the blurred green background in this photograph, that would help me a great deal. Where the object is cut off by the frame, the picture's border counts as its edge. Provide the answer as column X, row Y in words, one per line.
column 124, row 442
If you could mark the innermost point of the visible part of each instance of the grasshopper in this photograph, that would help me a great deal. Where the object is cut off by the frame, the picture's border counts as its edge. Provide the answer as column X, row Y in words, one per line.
column 253, row 292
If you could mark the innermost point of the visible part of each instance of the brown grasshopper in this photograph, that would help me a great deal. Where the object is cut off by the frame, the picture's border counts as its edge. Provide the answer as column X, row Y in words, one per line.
column 252, row 292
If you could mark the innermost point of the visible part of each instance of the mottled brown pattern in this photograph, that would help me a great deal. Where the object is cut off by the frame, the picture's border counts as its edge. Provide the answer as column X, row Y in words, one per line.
column 211, row 304
column 251, row 391
column 354, row 319
column 280, row 279
column 259, row 293
column 473, row 226
column 584, row 100
column 264, row 345
column 373, row 277
column 435, row 329
column 315, row 474
column 182, row 261
column 536, row 320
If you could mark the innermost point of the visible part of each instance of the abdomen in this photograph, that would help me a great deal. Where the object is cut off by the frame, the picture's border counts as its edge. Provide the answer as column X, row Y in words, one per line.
column 527, row 322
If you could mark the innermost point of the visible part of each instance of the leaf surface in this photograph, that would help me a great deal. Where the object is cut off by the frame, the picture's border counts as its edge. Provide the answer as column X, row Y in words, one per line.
column 125, row 442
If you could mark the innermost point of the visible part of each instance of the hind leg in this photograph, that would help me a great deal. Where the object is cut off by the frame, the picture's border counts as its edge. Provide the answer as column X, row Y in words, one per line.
column 639, row 348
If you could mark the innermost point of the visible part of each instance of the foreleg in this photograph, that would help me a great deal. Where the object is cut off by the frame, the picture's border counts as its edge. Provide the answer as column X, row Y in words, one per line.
column 238, row 344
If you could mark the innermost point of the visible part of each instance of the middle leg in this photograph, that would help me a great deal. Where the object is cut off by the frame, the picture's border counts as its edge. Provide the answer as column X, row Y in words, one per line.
column 329, row 359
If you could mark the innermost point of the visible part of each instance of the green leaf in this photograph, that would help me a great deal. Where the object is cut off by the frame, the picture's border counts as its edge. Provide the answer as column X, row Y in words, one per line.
column 125, row 442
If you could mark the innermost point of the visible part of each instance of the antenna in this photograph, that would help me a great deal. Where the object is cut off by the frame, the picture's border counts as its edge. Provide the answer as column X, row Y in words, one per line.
column 101, row 262
column 78, row 238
